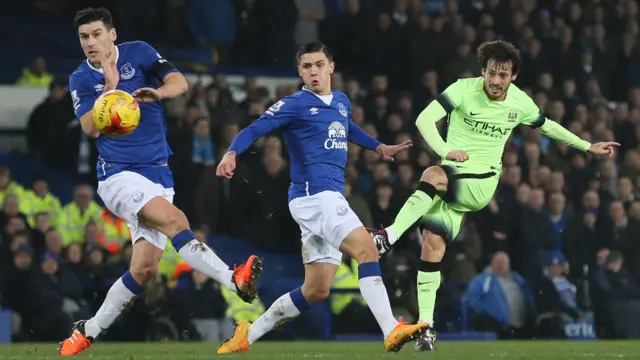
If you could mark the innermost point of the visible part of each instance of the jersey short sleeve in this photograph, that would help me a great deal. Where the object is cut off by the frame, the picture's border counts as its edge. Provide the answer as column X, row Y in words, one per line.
column 451, row 97
column 83, row 93
column 153, row 63
column 532, row 115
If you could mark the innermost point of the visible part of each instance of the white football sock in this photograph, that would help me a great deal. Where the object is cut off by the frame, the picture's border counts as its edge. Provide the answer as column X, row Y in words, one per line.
column 391, row 236
column 116, row 300
column 280, row 311
column 375, row 294
column 201, row 258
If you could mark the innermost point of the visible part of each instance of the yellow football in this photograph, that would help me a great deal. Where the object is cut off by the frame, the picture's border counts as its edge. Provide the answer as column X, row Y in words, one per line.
column 116, row 113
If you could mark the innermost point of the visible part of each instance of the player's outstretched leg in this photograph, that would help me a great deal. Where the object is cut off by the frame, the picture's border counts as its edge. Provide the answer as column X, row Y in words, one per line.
column 318, row 279
column 144, row 264
column 358, row 245
column 433, row 249
column 433, row 181
column 160, row 214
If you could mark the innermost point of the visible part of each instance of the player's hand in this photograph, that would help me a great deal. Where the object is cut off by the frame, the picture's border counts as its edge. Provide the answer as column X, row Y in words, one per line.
column 227, row 165
column 603, row 148
column 389, row 151
column 147, row 95
column 109, row 67
column 457, row 156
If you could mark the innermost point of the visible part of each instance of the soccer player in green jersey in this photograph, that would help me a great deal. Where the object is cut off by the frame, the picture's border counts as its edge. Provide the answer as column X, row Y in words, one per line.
column 482, row 112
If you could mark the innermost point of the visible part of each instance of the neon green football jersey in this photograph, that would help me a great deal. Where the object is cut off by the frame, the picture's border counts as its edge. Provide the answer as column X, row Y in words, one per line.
column 481, row 126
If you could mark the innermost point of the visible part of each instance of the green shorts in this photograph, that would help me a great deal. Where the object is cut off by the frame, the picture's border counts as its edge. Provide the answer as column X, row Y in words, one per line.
column 468, row 191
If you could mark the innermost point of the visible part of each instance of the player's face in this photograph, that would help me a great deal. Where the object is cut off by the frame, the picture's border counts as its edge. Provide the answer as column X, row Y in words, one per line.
column 497, row 78
column 315, row 69
column 96, row 39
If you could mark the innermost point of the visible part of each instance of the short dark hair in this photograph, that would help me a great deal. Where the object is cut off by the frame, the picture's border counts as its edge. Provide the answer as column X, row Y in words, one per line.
column 89, row 15
column 313, row 47
column 500, row 51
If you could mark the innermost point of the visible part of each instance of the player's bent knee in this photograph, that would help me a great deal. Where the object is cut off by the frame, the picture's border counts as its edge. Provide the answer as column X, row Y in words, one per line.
column 176, row 221
column 367, row 253
column 359, row 246
column 436, row 177
column 315, row 294
column 143, row 272
column 163, row 216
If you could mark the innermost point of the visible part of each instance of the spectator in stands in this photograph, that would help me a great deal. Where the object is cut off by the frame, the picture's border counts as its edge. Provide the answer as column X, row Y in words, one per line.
column 535, row 237
column 73, row 258
column 78, row 213
column 581, row 239
column 467, row 253
column 92, row 234
column 16, row 273
column 359, row 205
column 271, row 226
column 621, row 296
column 557, row 215
column 119, row 263
column 198, row 300
column 53, row 242
column 39, row 199
column 47, row 318
column 555, row 298
column 7, row 185
column 350, row 311
column 48, row 122
column 501, row 300
column 35, row 75
column 114, row 233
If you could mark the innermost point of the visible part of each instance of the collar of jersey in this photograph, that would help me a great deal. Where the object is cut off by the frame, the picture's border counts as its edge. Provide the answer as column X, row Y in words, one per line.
column 100, row 70
column 325, row 98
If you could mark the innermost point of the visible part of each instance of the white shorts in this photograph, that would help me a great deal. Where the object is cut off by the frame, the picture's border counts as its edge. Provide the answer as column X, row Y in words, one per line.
column 125, row 194
column 325, row 220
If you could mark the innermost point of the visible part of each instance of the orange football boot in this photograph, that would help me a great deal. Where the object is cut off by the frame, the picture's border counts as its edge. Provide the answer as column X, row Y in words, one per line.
column 402, row 334
column 246, row 278
column 77, row 342
column 239, row 342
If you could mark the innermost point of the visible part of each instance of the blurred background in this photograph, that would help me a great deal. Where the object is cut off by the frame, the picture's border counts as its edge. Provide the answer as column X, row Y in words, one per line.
column 567, row 222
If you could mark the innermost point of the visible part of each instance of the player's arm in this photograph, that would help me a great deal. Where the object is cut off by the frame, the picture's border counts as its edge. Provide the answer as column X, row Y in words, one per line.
column 277, row 116
column 83, row 95
column 173, row 82
column 536, row 119
column 558, row 132
column 443, row 105
column 360, row 137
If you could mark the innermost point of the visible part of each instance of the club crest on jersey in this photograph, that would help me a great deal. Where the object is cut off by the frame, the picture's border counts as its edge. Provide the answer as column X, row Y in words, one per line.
column 137, row 196
column 342, row 110
column 513, row 115
column 127, row 71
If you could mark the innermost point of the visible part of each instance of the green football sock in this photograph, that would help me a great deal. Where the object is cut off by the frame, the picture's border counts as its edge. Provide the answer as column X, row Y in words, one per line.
column 428, row 284
column 416, row 206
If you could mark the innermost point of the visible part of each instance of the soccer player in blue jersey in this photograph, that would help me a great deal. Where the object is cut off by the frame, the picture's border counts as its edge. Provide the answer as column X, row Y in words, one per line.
column 317, row 126
column 135, row 182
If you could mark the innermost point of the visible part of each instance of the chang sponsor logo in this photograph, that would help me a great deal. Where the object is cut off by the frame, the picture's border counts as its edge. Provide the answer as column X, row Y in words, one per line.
column 337, row 137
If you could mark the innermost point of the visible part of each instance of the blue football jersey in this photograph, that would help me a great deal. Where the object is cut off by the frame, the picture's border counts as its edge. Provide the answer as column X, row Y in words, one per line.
column 140, row 65
column 316, row 130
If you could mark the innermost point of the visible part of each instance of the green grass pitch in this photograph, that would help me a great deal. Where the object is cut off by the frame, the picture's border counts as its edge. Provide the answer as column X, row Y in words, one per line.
column 507, row 350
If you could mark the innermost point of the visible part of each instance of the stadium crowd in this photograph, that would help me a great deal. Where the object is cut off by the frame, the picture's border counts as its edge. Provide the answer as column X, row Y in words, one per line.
column 560, row 239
